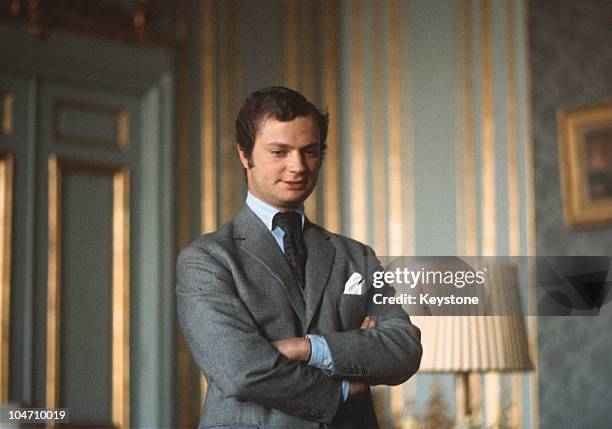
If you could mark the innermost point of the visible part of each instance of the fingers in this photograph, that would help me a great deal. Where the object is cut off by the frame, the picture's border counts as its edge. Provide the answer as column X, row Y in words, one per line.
column 356, row 387
column 367, row 323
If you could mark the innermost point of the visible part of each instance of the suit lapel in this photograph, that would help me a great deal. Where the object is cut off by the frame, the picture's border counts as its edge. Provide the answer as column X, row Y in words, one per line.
column 259, row 243
column 318, row 267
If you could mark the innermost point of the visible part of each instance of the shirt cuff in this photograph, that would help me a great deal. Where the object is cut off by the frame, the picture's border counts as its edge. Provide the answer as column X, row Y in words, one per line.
column 346, row 385
column 320, row 355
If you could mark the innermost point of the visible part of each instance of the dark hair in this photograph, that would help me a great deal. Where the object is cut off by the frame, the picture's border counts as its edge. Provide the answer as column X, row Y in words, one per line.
column 280, row 103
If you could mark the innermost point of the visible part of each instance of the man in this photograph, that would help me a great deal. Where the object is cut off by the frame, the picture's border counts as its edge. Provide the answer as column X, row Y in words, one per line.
column 277, row 311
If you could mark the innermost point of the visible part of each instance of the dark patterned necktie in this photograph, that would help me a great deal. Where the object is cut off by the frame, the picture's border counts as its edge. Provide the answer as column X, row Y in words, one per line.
column 293, row 242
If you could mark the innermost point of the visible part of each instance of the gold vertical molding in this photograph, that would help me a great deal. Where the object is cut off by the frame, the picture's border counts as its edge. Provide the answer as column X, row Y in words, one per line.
column 6, row 216
column 308, row 29
column 187, row 413
column 120, row 406
column 468, row 243
column 379, row 113
column 530, row 225
column 184, row 155
column 359, row 218
column 392, row 198
column 301, row 58
column 208, row 134
column 293, row 43
column 514, row 204
column 331, row 165
column 121, row 299
column 489, row 220
column 7, row 113
column 53, row 284
column 396, row 219
column 489, row 236
column 230, row 189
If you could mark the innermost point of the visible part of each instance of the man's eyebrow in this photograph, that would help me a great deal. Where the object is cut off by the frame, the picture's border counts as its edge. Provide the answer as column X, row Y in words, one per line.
column 288, row 146
column 278, row 144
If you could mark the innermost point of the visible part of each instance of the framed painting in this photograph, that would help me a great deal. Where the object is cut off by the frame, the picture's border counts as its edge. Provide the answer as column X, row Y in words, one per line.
column 585, row 148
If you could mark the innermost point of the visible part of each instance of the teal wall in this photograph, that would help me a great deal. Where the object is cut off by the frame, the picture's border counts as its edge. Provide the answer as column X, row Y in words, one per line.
column 411, row 88
column 91, row 74
column 571, row 61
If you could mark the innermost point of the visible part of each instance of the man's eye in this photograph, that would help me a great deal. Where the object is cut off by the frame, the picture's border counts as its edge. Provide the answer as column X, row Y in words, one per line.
column 312, row 152
column 277, row 152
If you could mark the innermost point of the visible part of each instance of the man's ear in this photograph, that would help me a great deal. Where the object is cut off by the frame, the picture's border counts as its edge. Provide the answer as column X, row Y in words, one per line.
column 243, row 160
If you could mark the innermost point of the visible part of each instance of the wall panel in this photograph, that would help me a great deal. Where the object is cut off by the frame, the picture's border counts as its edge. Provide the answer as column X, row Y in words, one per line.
column 427, row 150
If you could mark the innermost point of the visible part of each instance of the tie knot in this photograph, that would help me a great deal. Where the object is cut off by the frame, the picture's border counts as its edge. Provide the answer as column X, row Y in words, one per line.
column 288, row 221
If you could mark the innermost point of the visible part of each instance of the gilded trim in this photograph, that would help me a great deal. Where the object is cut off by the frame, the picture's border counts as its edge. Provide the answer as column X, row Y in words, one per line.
column 6, row 213
column 379, row 157
column 187, row 414
column 121, row 298
column 398, row 219
column 118, row 113
column 530, row 225
column 308, row 29
column 489, row 221
column 292, row 20
column 120, row 285
column 516, row 412
column 208, row 99
column 53, row 285
column 359, row 218
column 331, row 165
column 469, row 244
column 7, row 113
column 230, row 189
column 514, row 204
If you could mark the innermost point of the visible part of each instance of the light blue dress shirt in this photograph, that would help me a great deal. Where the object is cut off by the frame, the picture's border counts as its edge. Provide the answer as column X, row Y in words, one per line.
column 320, row 355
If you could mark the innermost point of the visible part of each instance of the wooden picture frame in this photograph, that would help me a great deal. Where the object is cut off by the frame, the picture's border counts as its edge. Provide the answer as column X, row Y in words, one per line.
column 585, row 149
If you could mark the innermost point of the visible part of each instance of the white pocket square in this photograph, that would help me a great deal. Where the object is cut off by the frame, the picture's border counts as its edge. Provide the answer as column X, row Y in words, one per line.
column 353, row 284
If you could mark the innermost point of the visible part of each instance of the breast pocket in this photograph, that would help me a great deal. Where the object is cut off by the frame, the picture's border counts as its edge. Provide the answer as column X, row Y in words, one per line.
column 352, row 309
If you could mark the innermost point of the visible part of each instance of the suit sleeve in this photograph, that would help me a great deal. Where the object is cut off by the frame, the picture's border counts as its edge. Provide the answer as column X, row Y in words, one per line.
column 388, row 354
column 229, row 348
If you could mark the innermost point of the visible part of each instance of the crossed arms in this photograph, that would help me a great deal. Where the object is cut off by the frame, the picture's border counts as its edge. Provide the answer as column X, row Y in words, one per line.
column 230, row 348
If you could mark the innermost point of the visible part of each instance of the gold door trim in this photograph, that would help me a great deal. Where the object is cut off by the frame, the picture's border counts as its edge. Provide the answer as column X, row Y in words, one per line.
column 120, row 284
column 6, row 213
column 7, row 112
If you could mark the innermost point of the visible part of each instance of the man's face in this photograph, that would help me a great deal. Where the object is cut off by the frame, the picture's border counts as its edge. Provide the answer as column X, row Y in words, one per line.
column 285, row 162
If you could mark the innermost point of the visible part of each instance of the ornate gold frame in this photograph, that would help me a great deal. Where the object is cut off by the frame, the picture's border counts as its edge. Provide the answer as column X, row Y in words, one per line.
column 574, row 124
column 120, row 285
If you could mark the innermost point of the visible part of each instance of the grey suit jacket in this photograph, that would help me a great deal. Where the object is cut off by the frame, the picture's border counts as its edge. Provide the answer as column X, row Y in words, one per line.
column 236, row 294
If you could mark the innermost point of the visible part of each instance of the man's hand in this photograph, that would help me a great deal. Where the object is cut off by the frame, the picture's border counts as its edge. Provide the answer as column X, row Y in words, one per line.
column 299, row 348
column 368, row 323
column 294, row 348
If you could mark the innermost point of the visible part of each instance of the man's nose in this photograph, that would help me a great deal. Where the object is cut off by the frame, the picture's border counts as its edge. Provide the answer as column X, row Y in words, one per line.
column 296, row 162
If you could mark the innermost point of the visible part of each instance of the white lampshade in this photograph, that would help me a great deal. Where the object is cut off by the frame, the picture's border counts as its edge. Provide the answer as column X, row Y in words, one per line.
column 479, row 343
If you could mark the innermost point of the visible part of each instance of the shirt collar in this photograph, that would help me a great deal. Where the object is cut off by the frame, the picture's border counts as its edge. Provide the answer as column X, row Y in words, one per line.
column 266, row 212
